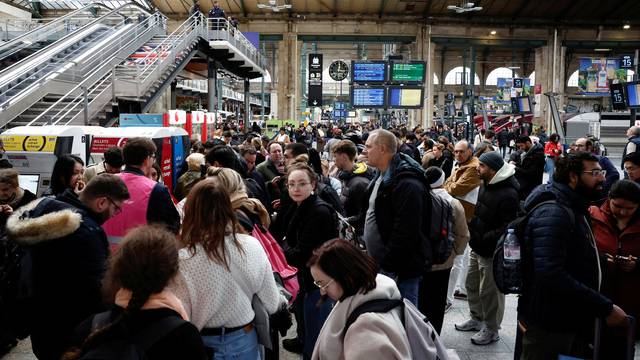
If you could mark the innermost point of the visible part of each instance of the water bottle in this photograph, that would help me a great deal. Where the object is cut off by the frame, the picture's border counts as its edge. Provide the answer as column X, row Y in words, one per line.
column 511, row 262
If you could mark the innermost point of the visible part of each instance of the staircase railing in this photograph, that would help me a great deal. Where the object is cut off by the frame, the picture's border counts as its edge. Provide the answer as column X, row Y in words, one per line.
column 220, row 29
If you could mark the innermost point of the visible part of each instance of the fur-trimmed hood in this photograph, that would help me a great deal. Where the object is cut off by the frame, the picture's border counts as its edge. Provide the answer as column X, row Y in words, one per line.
column 42, row 220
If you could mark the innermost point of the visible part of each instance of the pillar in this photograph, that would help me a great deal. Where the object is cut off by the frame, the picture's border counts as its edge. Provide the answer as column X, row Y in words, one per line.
column 174, row 95
column 247, row 105
column 212, row 85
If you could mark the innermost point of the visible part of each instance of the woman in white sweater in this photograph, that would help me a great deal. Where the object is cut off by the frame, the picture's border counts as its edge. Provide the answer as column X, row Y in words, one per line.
column 345, row 274
column 220, row 271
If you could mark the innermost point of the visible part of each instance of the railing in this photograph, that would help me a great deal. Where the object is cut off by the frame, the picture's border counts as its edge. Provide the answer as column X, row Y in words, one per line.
column 222, row 29
column 61, row 26
column 66, row 65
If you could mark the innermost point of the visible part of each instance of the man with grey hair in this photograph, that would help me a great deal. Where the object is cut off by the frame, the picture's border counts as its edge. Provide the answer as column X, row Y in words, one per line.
column 633, row 145
column 395, row 230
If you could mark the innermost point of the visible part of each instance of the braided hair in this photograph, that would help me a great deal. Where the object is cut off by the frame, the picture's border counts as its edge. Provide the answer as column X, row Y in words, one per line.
column 145, row 263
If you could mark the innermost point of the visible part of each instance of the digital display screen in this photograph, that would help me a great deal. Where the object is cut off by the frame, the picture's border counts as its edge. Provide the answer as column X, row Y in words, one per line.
column 369, row 71
column 412, row 72
column 368, row 97
column 633, row 94
column 404, row 97
column 617, row 96
column 521, row 105
column 29, row 182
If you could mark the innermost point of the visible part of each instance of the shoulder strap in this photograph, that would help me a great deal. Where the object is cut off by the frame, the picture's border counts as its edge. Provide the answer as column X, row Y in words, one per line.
column 375, row 306
column 156, row 331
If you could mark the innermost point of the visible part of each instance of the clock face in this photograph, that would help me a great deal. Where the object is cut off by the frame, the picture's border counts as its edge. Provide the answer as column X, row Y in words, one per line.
column 338, row 70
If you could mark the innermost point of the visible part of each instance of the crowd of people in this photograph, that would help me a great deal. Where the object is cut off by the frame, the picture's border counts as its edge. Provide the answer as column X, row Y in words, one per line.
column 196, row 271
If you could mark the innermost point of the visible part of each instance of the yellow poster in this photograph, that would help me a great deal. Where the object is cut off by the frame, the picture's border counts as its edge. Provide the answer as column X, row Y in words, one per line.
column 31, row 143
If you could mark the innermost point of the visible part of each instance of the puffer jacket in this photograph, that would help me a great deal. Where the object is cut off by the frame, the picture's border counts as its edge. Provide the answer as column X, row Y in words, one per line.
column 354, row 188
column 463, row 184
column 530, row 169
column 402, row 195
column 497, row 207
column 618, row 284
column 561, row 274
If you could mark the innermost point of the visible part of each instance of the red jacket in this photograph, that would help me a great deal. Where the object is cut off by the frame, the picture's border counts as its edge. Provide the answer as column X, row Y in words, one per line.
column 623, row 288
column 552, row 149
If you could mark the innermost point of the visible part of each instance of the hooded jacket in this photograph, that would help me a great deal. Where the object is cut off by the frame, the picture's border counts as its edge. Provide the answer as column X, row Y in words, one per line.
column 401, row 209
column 530, row 169
column 497, row 207
column 561, row 273
column 383, row 333
column 463, row 184
column 354, row 188
column 69, row 251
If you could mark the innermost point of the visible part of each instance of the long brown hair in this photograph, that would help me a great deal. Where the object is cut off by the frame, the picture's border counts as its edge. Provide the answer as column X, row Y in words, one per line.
column 208, row 218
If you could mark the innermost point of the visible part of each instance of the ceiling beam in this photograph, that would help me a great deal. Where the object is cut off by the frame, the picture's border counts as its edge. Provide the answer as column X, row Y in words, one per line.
column 243, row 8
column 383, row 3
column 523, row 5
column 565, row 11
column 335, row 8
column 427, row 9
column 617, row 5
column 15, row 5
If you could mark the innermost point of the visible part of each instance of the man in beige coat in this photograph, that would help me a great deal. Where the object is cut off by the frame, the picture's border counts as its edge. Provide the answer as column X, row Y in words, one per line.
column 433, row 288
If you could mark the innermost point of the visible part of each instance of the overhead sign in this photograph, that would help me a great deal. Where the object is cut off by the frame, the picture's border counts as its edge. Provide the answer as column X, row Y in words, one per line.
column 405, row 97
column 314, row 97
column 369, row 71
column 618, row 101
column 145, row 120
column 633, row 94
column 412, row 72
column 626, row 62
column 368, row 97
column 29, row 143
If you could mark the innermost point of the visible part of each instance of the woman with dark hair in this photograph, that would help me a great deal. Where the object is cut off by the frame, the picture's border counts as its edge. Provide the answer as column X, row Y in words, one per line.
column 343, row 273
column 616, row 226
column 310, row 222
column 221, row 271
column 137, row 279
column 67, row 174
column 552, row 149
column 440, row 159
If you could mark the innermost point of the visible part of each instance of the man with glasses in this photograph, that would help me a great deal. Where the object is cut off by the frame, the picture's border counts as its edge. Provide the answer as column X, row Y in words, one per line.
column 561, row 271
column 584, row 144
column 68, row 250
column 150, row 201
column 631, row 166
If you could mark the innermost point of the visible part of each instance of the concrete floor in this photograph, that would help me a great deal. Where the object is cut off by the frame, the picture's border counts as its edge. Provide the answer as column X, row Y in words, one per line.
column 459, row 341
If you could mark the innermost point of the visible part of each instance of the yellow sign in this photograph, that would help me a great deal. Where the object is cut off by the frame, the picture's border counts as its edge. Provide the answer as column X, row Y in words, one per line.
column 29, row 143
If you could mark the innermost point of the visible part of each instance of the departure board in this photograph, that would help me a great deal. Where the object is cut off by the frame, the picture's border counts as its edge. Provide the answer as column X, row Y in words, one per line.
column 369, row 71
column 368, row 97
column 412, row 72
column 405, row 97
column 633, row 94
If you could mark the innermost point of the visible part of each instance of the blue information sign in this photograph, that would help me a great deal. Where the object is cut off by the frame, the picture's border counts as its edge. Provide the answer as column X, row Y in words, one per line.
column 369, row 71
column 368, row 97
column 145, row 120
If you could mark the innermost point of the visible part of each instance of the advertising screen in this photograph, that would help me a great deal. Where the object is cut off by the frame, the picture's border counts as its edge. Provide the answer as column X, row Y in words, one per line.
column 594, row 75
column 618, row 101
column 405, row 97
column 368, row 97
column 369, row 71
column 412, row 72
column 521, row 105
column 633, row 94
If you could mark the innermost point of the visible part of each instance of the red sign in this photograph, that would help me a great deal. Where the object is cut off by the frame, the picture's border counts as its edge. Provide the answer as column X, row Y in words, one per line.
column 165, row 163
column 537, row 89
column 100, row 145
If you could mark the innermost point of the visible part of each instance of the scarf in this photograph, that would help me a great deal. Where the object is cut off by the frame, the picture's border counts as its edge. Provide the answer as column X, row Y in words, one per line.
column 161, row 300
column 241, row 201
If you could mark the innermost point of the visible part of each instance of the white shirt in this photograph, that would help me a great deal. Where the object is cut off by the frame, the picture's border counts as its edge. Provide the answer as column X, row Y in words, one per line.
column 211, row 296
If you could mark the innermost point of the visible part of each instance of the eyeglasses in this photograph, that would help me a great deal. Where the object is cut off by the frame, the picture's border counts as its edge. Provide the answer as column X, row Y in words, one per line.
column 322, row 287
column 298, row 185
column 596, row 172
column 118, row 208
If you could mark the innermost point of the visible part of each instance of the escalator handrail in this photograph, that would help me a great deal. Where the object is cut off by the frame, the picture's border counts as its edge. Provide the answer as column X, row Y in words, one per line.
column 18, row 39
column 96, row 21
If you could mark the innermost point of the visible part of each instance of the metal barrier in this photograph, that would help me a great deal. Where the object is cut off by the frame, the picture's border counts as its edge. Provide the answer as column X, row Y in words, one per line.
column 220, row 29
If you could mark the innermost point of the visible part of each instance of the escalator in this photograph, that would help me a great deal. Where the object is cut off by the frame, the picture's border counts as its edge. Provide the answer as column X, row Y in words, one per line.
column 57, row 68
column 42, row 36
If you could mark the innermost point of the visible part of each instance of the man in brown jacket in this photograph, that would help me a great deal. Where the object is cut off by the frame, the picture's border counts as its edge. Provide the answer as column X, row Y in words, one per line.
column 464, row 185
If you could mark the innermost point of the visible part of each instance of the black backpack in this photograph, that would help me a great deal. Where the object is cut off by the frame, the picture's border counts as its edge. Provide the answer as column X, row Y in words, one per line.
column 130, row 346
column 329, row 195
column 441, row 234
column 510, row 281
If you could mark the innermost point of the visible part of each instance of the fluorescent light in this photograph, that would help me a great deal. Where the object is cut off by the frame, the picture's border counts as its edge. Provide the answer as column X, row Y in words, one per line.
column 493, row 32
column 626, row 26
column 602, row 50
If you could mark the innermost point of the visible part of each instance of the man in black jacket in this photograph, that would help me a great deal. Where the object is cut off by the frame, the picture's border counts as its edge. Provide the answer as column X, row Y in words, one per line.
column 497, row 206
column 561, row 269
column 530, row 165
column 355, row 178
column 395, row 230
column 69, row 251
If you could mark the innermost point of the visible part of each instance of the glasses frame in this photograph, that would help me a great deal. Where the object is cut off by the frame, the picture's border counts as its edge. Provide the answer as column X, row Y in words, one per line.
column 596, row 172
column 118, row 208
column 322, row 287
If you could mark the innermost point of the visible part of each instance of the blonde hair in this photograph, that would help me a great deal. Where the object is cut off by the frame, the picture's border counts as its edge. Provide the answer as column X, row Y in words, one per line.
column 229, row 179
column 195, row 160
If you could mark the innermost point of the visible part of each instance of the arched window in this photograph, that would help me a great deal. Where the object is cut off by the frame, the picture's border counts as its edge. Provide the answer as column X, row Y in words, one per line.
column 501, row 72
column 532, row 78
column 573, row 80
column 454, row 77
column 436, row 81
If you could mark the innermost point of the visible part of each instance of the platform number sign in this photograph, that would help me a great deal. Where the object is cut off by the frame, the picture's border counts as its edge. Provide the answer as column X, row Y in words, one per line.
column 450, row 96
column 626, row 62
column 517, row 83
column 617, row 96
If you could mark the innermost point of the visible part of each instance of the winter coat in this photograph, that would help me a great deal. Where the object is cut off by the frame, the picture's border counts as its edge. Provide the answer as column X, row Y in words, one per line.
column 354, row 188
column 560, row 264
column 310, row 224
column 463, row 184
column 503, row 138
column 552, row 149
column 497, row 207
column 633, row 145
column 460, row 229
column 530, row 169
column 69, row 251
column 372, row 336
column 185, row 182
column 612, row 173
column 621, row 287
column 27, row 197
column 402, row 195
column 445, row 162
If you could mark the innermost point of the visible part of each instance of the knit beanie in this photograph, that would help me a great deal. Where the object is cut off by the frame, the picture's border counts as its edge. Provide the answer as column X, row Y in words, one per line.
column 434, row 176
column 492, row 159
